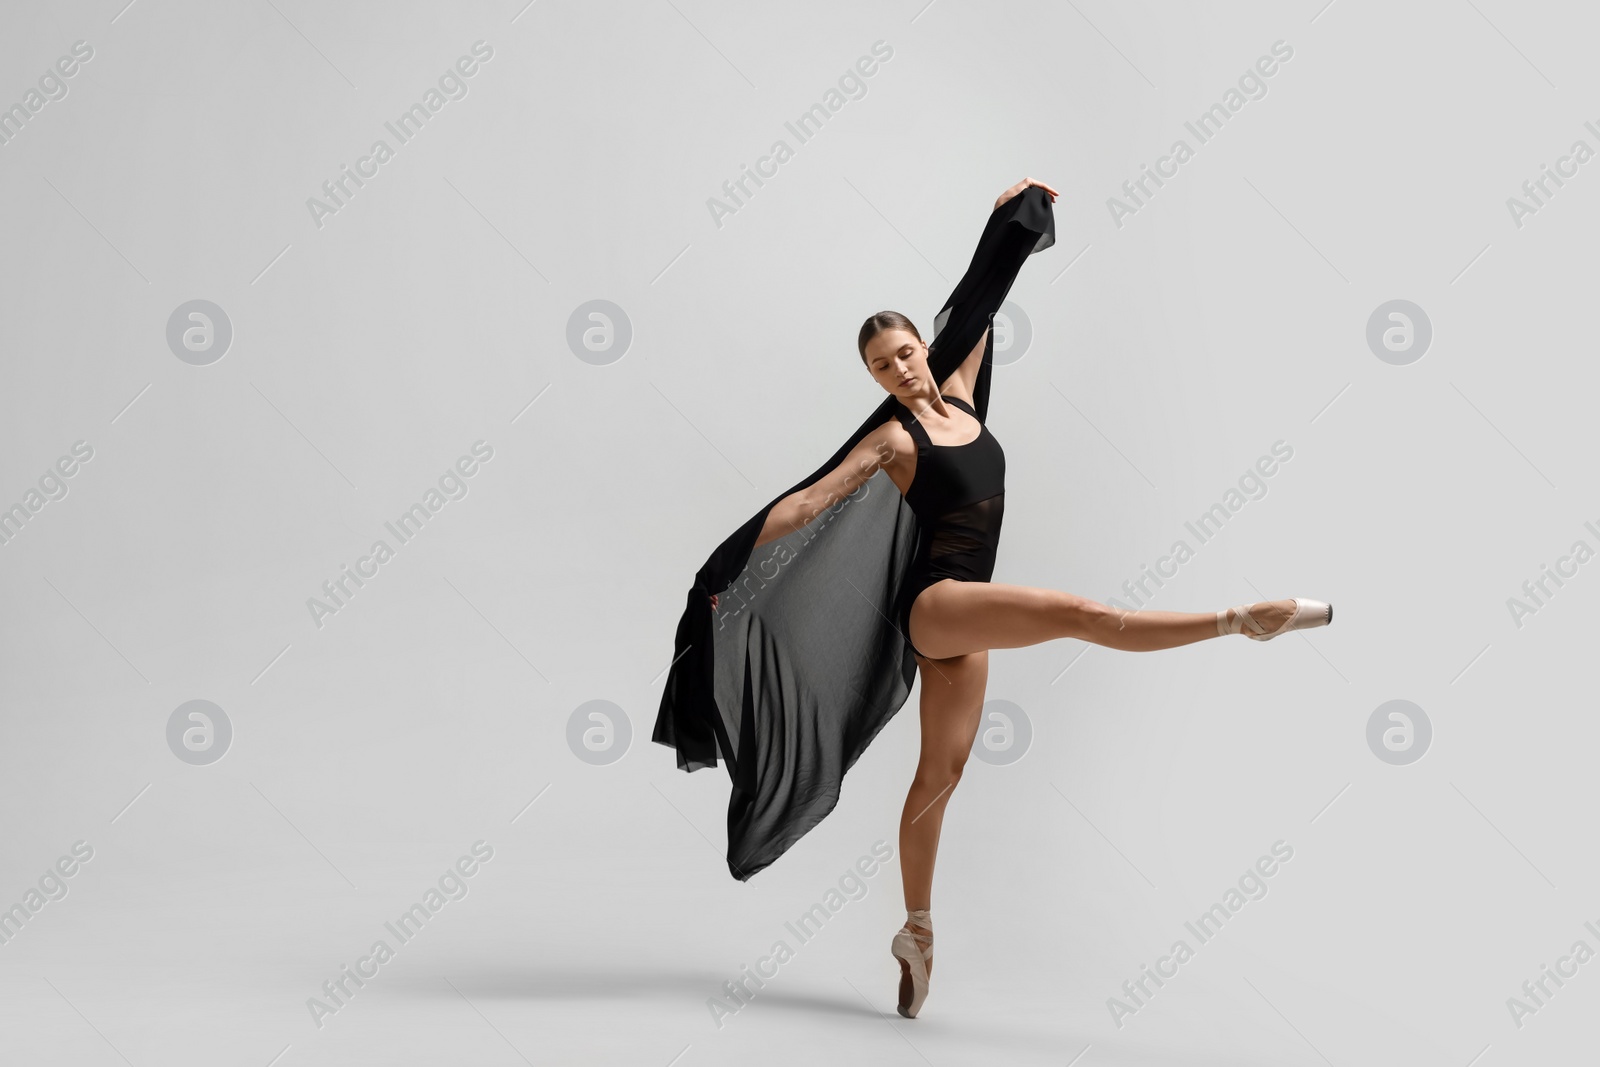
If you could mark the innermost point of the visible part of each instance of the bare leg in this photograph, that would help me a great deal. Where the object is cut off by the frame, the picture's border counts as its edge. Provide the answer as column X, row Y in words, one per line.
column 952, row 706
column 954, row 618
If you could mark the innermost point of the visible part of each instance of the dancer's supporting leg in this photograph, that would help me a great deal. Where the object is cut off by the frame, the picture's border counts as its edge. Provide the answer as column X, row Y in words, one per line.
column 953, row 618
column 952, row 706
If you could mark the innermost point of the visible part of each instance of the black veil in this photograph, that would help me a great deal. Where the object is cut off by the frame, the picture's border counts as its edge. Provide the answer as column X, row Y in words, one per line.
column 802, row 662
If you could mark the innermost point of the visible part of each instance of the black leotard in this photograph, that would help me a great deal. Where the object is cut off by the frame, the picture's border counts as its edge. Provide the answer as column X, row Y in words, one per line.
column 958, row 494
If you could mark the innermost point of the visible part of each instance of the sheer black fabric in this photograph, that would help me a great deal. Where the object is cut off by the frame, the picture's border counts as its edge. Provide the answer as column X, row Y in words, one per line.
column 806, row 657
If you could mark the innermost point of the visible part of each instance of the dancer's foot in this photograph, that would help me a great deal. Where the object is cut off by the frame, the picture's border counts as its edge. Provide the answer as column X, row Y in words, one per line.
column 913, row 948
column 1267, row 619
column 1270, row 614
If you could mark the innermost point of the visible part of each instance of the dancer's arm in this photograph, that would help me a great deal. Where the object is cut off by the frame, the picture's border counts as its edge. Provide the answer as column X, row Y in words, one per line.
column 961, row 323
column 961, row 382
column 801, row 507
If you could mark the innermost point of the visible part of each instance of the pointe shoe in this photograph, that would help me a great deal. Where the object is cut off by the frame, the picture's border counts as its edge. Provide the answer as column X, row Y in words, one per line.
column 1307, row 613
column 915, row 953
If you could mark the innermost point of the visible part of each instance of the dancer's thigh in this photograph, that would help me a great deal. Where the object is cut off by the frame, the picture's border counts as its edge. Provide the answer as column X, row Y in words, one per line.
column 951, row 709
column 953, row 618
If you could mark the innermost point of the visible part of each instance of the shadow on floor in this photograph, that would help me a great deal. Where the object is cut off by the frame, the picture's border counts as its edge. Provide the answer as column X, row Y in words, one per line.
column 628, row 983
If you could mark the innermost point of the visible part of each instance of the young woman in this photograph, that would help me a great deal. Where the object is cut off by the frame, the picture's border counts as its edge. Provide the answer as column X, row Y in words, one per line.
column 930, row 440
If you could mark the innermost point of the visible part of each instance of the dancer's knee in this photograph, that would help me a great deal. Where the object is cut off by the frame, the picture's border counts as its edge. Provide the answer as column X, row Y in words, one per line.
column 1084, row 617
column 934, row 776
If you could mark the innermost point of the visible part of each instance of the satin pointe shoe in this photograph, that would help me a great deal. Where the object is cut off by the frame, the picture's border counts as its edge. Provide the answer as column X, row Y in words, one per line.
column 915, row 953
column 1307, row 613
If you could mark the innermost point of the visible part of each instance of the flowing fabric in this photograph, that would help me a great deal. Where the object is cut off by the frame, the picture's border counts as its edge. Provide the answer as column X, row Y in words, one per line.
column 803, row 660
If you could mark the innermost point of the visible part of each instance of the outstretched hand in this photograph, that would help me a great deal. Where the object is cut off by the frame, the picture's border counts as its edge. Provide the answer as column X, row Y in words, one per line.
column 1023, row 184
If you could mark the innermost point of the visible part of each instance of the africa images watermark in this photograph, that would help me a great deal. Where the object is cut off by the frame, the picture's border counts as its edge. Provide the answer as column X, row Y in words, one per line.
column 852, row 886
column 452, row 486
column 52, row 486
column 1579, row 154
column 1580, row 954
column 452, row 885
column 52, row 886
column 1252, row 885
column 52, row 86
column 806, row 126
column 452, row 86
column 1252, row 486
column 1209, row 123
column 1579, row 554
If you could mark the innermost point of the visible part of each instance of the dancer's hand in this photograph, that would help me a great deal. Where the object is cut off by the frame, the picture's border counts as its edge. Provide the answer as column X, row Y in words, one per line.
column 1023, row 184
column 713, row 602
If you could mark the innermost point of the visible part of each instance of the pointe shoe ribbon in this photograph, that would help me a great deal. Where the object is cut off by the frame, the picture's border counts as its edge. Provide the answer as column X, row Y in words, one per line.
column 1241, row 618
column 1307, row 614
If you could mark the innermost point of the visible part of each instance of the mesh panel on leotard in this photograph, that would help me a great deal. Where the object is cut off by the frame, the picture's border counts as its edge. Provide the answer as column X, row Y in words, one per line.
column 967, row 537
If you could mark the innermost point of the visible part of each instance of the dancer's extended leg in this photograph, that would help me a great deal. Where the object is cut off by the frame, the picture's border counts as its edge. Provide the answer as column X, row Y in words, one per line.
column 953, row 618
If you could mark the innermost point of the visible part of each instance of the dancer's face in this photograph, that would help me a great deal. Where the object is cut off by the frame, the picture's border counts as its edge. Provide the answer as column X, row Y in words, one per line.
column 898, row 361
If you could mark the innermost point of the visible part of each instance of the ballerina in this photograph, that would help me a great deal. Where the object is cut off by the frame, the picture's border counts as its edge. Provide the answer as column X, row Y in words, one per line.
column 935, row 448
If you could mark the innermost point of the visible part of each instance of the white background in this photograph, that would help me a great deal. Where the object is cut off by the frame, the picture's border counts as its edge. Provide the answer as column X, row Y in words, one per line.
column 1167, row 355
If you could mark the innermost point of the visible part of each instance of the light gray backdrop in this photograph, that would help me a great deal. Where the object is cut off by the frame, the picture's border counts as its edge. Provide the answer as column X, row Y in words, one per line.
column 233, row 456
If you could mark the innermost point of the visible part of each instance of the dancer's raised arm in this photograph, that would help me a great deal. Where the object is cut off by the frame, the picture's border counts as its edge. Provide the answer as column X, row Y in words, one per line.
column 961, row 383
column 1020, row 224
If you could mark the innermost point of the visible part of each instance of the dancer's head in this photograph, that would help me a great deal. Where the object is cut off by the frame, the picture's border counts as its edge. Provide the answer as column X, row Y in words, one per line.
column 893, row 352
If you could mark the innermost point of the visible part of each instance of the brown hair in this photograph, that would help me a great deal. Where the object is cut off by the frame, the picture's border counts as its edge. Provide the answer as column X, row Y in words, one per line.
column 876, row 324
